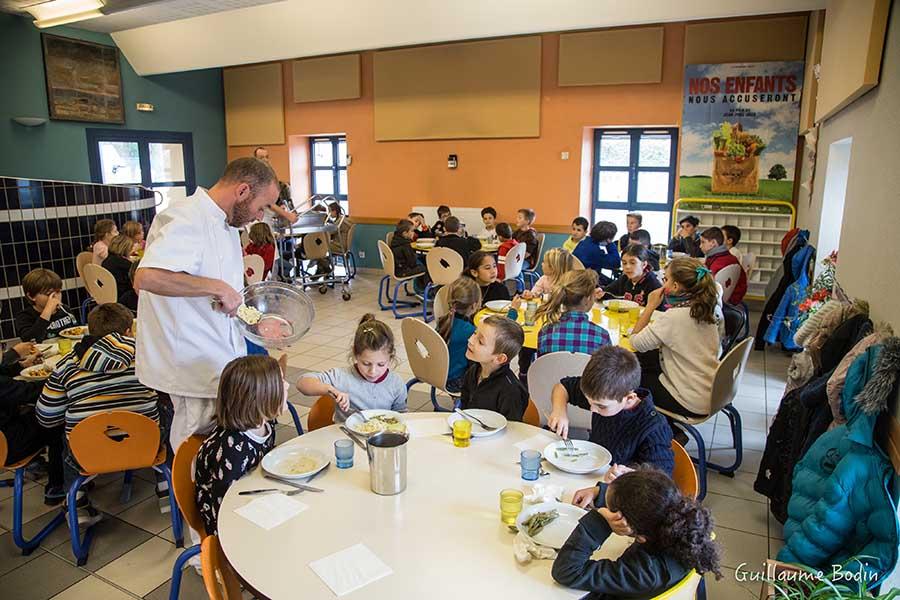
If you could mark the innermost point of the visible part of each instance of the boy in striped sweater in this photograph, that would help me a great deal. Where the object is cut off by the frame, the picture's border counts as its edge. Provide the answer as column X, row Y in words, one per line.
column 97, row 376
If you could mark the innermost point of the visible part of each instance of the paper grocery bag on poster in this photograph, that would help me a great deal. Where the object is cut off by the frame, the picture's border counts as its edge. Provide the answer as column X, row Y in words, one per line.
column 731, row 176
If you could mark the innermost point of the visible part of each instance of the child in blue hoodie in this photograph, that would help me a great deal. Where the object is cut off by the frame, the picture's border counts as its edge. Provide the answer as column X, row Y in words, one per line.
column 599, row 250
column 456, row 327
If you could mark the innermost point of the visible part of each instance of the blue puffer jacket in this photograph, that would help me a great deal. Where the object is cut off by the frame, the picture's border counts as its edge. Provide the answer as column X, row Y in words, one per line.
column 841, row 505
column 784, row 322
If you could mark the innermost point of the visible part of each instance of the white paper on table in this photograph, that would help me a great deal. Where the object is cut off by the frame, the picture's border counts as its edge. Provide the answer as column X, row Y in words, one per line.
column 426, row 427
column 350, row 569
column 271, row 510
column 537, row 442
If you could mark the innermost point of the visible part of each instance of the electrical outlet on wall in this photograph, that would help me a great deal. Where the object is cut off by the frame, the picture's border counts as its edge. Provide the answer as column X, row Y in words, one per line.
column 564, row 155
column 362, row 253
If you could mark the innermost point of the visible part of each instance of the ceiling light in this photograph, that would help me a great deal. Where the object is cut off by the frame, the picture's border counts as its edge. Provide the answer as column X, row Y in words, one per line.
column 61, row 12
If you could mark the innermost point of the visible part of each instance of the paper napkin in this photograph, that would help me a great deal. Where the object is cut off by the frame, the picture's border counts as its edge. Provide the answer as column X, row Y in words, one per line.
column 350, row 569
column 271, row 510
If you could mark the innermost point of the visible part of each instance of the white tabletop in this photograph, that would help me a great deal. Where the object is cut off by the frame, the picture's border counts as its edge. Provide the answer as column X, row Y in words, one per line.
column 442, row 535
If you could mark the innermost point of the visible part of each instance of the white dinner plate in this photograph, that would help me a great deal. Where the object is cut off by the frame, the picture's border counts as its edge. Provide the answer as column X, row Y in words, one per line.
column 624, row 305
column 36, row 372
column 74, row 333
column 355, row 421
column 597, row 457
column 47, row 350
column 491, row 418
column 555, row 533
column 282, row 462
column 499, row 306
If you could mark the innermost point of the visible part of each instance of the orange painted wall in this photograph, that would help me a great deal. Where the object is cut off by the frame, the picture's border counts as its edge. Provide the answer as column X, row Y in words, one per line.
column 387, row 178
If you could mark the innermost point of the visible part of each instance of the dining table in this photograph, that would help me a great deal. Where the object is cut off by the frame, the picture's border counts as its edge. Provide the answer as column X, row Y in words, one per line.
column 441, row 538
column 485, row 246
column 617, row 324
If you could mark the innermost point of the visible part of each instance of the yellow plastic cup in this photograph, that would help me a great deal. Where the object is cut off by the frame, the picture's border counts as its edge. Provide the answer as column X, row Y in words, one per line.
column 65, row 346
column 462, row 433
column 510, row 505
column 634, row 314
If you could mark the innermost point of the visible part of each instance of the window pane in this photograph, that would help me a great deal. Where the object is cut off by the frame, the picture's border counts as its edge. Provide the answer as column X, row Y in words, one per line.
column 653, row 186
column 322, row 154
column 169, row 195
column 342, row 153
column 613, row 186
column 323, row 183
column 345, row 205
column 656, row 222
column 342, row 182
column 166, row 162
column 615, row 150
column 119, row 162
column 654, row 150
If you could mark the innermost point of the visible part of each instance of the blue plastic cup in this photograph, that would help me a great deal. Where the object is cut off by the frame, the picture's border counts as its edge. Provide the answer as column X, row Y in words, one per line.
column 343, row 453
column 530, row 461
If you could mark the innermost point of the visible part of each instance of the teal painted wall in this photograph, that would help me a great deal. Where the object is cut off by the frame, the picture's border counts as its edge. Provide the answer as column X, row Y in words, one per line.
column 191, row 101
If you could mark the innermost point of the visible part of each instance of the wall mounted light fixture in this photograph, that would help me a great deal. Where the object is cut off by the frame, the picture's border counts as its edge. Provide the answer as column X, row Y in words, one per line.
column 29, row 121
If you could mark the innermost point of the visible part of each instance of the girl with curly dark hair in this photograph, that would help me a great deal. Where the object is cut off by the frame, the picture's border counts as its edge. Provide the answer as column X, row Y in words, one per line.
column 673, row 534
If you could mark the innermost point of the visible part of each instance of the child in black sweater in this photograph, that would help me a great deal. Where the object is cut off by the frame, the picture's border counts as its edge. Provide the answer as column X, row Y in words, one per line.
column 406, row 263
column 482, row 267
column 624, row 420
column 490, row 383
column 637, row 280
column 46, row 316
column 252, row 394
column 673, row 534
column 453, row 238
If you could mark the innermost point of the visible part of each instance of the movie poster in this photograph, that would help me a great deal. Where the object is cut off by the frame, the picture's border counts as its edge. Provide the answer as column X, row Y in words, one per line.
column 739, row 130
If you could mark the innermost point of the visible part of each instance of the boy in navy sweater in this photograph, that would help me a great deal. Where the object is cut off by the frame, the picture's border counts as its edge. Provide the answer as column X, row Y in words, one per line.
column 624, row 420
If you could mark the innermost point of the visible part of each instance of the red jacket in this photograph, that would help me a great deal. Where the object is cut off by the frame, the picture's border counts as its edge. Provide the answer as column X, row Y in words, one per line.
column 718, row 262
column 266, row 251
column 501, row 251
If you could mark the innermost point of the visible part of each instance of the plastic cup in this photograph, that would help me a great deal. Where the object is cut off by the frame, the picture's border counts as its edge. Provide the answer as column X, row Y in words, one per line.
column 510, row 505
column 530, row 460
column 614, row 305
column 343, row 453
column 65, row 346
column 634, row 314
column 462, row 433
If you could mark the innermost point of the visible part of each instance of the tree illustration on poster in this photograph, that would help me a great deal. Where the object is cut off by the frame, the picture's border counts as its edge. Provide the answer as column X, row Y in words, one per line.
column 739, row 130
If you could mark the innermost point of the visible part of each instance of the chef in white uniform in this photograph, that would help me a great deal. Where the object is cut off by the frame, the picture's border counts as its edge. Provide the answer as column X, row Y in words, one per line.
column 193, row 259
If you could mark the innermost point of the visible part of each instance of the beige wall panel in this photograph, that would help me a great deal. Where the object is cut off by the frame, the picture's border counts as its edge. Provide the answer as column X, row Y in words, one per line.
column 327, row 78
column 851, row 52
column 254, row 105
column 752, row 40
column 813, row 57
column 489, row 89
column 611, row 57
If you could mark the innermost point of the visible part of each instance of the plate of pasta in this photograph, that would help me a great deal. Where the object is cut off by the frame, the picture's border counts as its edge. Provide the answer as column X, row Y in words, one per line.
column 74, row 333
column 294, row 462
column 376, row 421
column 37, row 372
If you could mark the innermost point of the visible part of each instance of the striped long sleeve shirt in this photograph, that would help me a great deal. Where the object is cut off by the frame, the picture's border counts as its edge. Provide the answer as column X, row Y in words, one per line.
column 97, row 379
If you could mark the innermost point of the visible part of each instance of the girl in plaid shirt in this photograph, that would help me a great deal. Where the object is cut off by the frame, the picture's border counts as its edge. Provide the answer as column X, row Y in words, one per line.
column 568, row 326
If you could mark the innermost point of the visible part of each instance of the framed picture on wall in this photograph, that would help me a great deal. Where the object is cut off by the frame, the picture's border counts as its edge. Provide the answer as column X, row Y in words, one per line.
column 83, row 80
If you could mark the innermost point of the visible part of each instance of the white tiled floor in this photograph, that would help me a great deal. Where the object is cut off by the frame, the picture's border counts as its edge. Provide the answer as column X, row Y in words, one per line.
column 133, row 550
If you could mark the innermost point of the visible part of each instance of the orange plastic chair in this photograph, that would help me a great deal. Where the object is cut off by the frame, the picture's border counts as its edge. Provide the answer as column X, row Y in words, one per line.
column 113, row 442
column 186, row 494
column 321, row 414
column 215, row 568
column 17, row 483
column 684, row 474
column 531, row 415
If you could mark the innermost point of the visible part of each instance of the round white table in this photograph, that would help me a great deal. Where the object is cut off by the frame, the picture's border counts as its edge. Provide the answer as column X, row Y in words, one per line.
column 442, row 536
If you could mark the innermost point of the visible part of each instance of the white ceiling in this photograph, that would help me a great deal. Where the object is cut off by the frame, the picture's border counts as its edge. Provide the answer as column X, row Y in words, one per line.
column 300, row 28
column 162, row 11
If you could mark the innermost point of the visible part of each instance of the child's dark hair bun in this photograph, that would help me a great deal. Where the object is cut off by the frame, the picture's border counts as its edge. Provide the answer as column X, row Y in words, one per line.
column 366, row 318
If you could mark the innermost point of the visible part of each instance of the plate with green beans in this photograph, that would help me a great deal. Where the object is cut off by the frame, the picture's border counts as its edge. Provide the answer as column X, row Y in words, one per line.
column 549, row 523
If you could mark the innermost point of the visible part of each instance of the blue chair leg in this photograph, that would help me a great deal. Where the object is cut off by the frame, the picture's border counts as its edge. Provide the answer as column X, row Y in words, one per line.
column 84, row 306
column 80, row 546
column 177, row 523
column 425, row 317
column 397, row 304
column 178, row 567
column 28, row 546
column 127, row 486
column 296, row 418
column 734, row 417
column 701, row 460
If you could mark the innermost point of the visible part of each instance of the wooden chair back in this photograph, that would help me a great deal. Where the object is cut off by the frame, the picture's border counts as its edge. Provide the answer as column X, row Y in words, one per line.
column 321, row 414
column 441, row 304
column 540, row 251
column 728, row 279
column 748, row 262
column 254, row 267
column 513, row 261
column 116, row 441
column 445, row 265
column 219, row 578
column 426, row 351
column 81, row 259
column 100, row 284
column 577, row 265
column 387, row 259
column 531, row 415
column 388, row 237
column 728, row 375
column 685, row 474
column 245, row 238
column 315, row 245
column 183, row 484
column 545, row 372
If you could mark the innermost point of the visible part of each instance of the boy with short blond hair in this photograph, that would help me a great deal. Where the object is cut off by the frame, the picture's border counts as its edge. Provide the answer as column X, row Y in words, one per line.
column 47, row 315
column 526, row 234
column 489, row 383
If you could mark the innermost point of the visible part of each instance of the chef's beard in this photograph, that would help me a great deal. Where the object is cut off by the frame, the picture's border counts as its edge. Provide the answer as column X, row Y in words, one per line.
column 241, row 214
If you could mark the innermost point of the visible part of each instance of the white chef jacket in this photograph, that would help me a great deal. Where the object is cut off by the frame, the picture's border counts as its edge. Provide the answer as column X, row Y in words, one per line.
column 182, row 343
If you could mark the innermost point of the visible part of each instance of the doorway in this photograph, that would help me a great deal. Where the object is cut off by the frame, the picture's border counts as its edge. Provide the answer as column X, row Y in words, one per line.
column 837, row 171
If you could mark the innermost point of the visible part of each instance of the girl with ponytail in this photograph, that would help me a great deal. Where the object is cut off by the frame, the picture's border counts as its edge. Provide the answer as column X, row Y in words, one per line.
column 464, row 298
column 567, row 323
column 685, row 337
column 557, row 262
column 673, row 534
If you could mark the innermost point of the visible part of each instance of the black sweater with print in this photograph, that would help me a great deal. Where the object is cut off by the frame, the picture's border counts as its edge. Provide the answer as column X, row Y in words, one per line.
column 30, row 325
column 501, row 392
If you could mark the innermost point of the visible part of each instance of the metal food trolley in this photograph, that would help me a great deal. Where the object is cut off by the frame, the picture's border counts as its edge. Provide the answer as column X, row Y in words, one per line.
column 313, row 234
